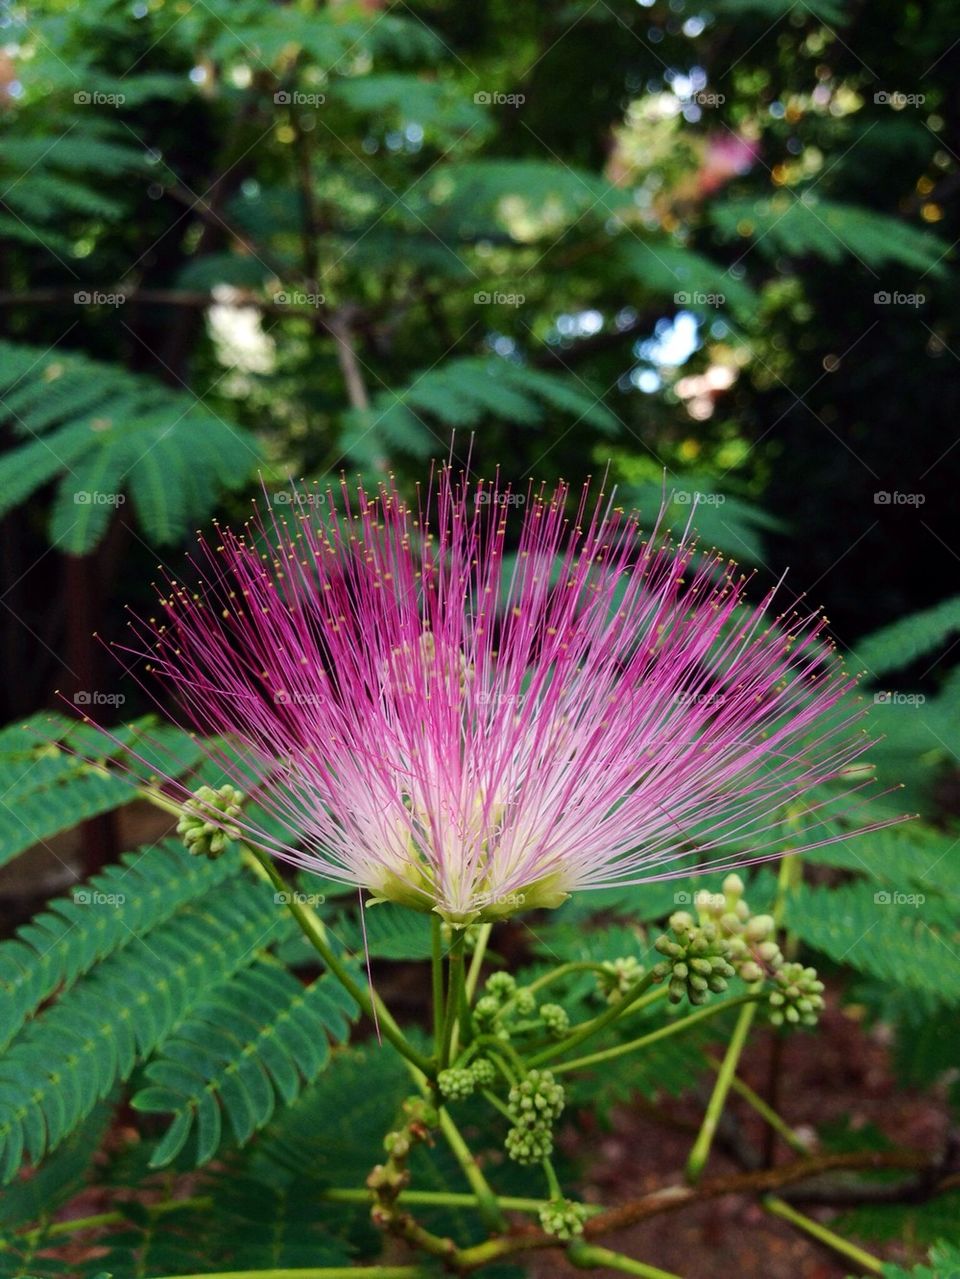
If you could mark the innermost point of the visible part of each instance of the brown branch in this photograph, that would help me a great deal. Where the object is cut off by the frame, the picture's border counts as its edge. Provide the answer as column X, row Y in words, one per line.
column 764, row 1179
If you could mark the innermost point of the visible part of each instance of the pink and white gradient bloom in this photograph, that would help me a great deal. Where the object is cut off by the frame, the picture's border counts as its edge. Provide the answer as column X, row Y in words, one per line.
column 471, row 732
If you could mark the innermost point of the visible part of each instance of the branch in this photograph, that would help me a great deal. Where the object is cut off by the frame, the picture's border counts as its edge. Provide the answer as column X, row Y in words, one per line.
column 669, row 1198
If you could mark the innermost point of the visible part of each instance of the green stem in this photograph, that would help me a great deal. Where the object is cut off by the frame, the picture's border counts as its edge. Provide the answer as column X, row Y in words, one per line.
column 488, row 1204
column 553, row 1181
column 431, row 1198
column 436, row 969
column 590, row 1255
column 497, row 1104
column 316, row 934
column 103, row 1219
column 576, row 966
column 451, row 1012
column 672, row 1028
column 314, row 931
column 590, row 1028
column 826, row 1236
column 718, row 1098
column 476, row 962
column 765, row 1111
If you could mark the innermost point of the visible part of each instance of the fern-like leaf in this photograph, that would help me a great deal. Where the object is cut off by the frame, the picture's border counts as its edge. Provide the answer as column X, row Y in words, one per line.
column 253, row 1041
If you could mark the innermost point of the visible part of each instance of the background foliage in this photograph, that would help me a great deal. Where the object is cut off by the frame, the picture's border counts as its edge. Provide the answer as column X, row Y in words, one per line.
column 706, row 246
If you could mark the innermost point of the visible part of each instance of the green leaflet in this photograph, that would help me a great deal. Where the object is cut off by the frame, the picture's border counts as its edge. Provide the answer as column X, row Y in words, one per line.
column 70, row 1056
column 253, row 1042
column 107, row 432
column 884, row 932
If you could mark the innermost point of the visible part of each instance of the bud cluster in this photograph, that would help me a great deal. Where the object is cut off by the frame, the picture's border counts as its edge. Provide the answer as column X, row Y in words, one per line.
column 535, row 1103
column 205, row 827
column 619, row 977
column 726, row 939
column 562, row 1218
column 506, row 1009
column 797, row 997
column 695, row 959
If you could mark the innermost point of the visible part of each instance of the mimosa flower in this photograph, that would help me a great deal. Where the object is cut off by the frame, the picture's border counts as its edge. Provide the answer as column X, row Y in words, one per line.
column 473, row 732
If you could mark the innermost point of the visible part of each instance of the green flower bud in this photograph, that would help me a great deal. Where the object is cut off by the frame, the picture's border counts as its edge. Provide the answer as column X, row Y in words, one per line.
column 695, row 960
column 562, row 1219
column 529, row 1144
column 525, row 1003
column 555, row 1019
column 484, row 1072
column 760, row 928
column 205, row 826
column 501, row 986
column 797, row 998
column 456, row 1084
column 485, row 1009
column 619, row 977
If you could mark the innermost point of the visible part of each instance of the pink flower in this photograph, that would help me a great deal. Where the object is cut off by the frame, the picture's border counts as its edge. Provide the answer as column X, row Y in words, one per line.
column 471, row 732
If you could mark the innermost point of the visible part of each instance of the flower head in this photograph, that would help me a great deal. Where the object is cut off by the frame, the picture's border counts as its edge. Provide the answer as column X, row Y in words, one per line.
column 472, row 731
